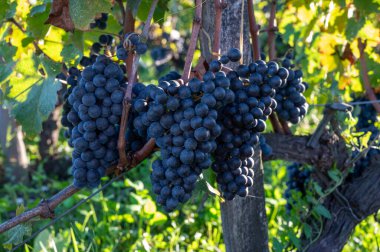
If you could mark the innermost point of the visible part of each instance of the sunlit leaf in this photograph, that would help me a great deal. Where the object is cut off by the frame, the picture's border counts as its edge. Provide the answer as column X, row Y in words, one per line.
column 83, row 12
column 158, row 218
column 32, row 94
column 149, row 207
column 36, row 20
column 7, row 10
column 42, row 240
column 6, row 61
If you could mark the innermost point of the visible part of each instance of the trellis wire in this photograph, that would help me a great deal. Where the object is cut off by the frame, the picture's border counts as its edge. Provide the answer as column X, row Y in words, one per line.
column 81, row 202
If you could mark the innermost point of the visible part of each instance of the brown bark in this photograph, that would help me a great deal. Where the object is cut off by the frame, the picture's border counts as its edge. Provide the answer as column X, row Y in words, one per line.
column 294, row 148
column 244, row 220
column 362, row 199
column 353, row 201
column 13, row 147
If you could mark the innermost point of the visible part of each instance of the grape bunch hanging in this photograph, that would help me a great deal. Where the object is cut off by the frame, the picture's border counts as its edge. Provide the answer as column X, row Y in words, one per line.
column 182, row 119
column 95, row 104
column 291, row 104
column 212, row 122
column 298, row 178
column 367, row 119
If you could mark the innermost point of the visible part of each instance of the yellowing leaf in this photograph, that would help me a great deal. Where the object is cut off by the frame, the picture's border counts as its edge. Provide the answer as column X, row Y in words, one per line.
column 327, row 44
column 149, row 207
column 53, row 43
column 20, row 209
column 158, row 218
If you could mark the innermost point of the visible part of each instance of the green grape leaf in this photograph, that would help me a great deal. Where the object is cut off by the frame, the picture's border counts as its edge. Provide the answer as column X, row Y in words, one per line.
column 307, row 230
column 373, row 74
column 17, row 233
column 334, row 175
column 159, row 12
column 341, row 3
column 295, row 240
column 277, row 245
column 7, row 10
column 318, row 189
column 6, row 61
column 133, row 5
column 353, row 26
column 26, row 41
column 367, row 6
column 33, row 91
column 83, row 12
column 36, row 19
column 321, row 210
column 72, row 52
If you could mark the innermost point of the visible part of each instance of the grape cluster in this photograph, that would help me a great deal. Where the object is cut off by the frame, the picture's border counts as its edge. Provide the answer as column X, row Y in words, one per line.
column 168, row 49
column 160, row 56
column 131, row 44
column 367, row 118
column 173, row 75
column 96, row 107
column 298, row 178
column 182, row 119
column 100, row 22
column 291, row 104
column 265, row 148
column 243, row 120
column 217, row 117
column 105, row 42
column 72, row 81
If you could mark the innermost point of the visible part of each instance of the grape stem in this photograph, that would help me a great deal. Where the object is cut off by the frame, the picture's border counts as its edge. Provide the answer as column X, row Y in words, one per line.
column 272, row 31
column 45, row 208
column 254, row 29
column 35, row 44
column 144, row 152
column 219, row 6
column 367, row 85
column 129, row 26
column 278, row 125
column 127, row 102
column 193, row 41
column 123, row 12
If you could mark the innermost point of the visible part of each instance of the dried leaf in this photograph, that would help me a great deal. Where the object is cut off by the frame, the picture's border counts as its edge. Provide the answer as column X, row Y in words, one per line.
column 60, row 15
